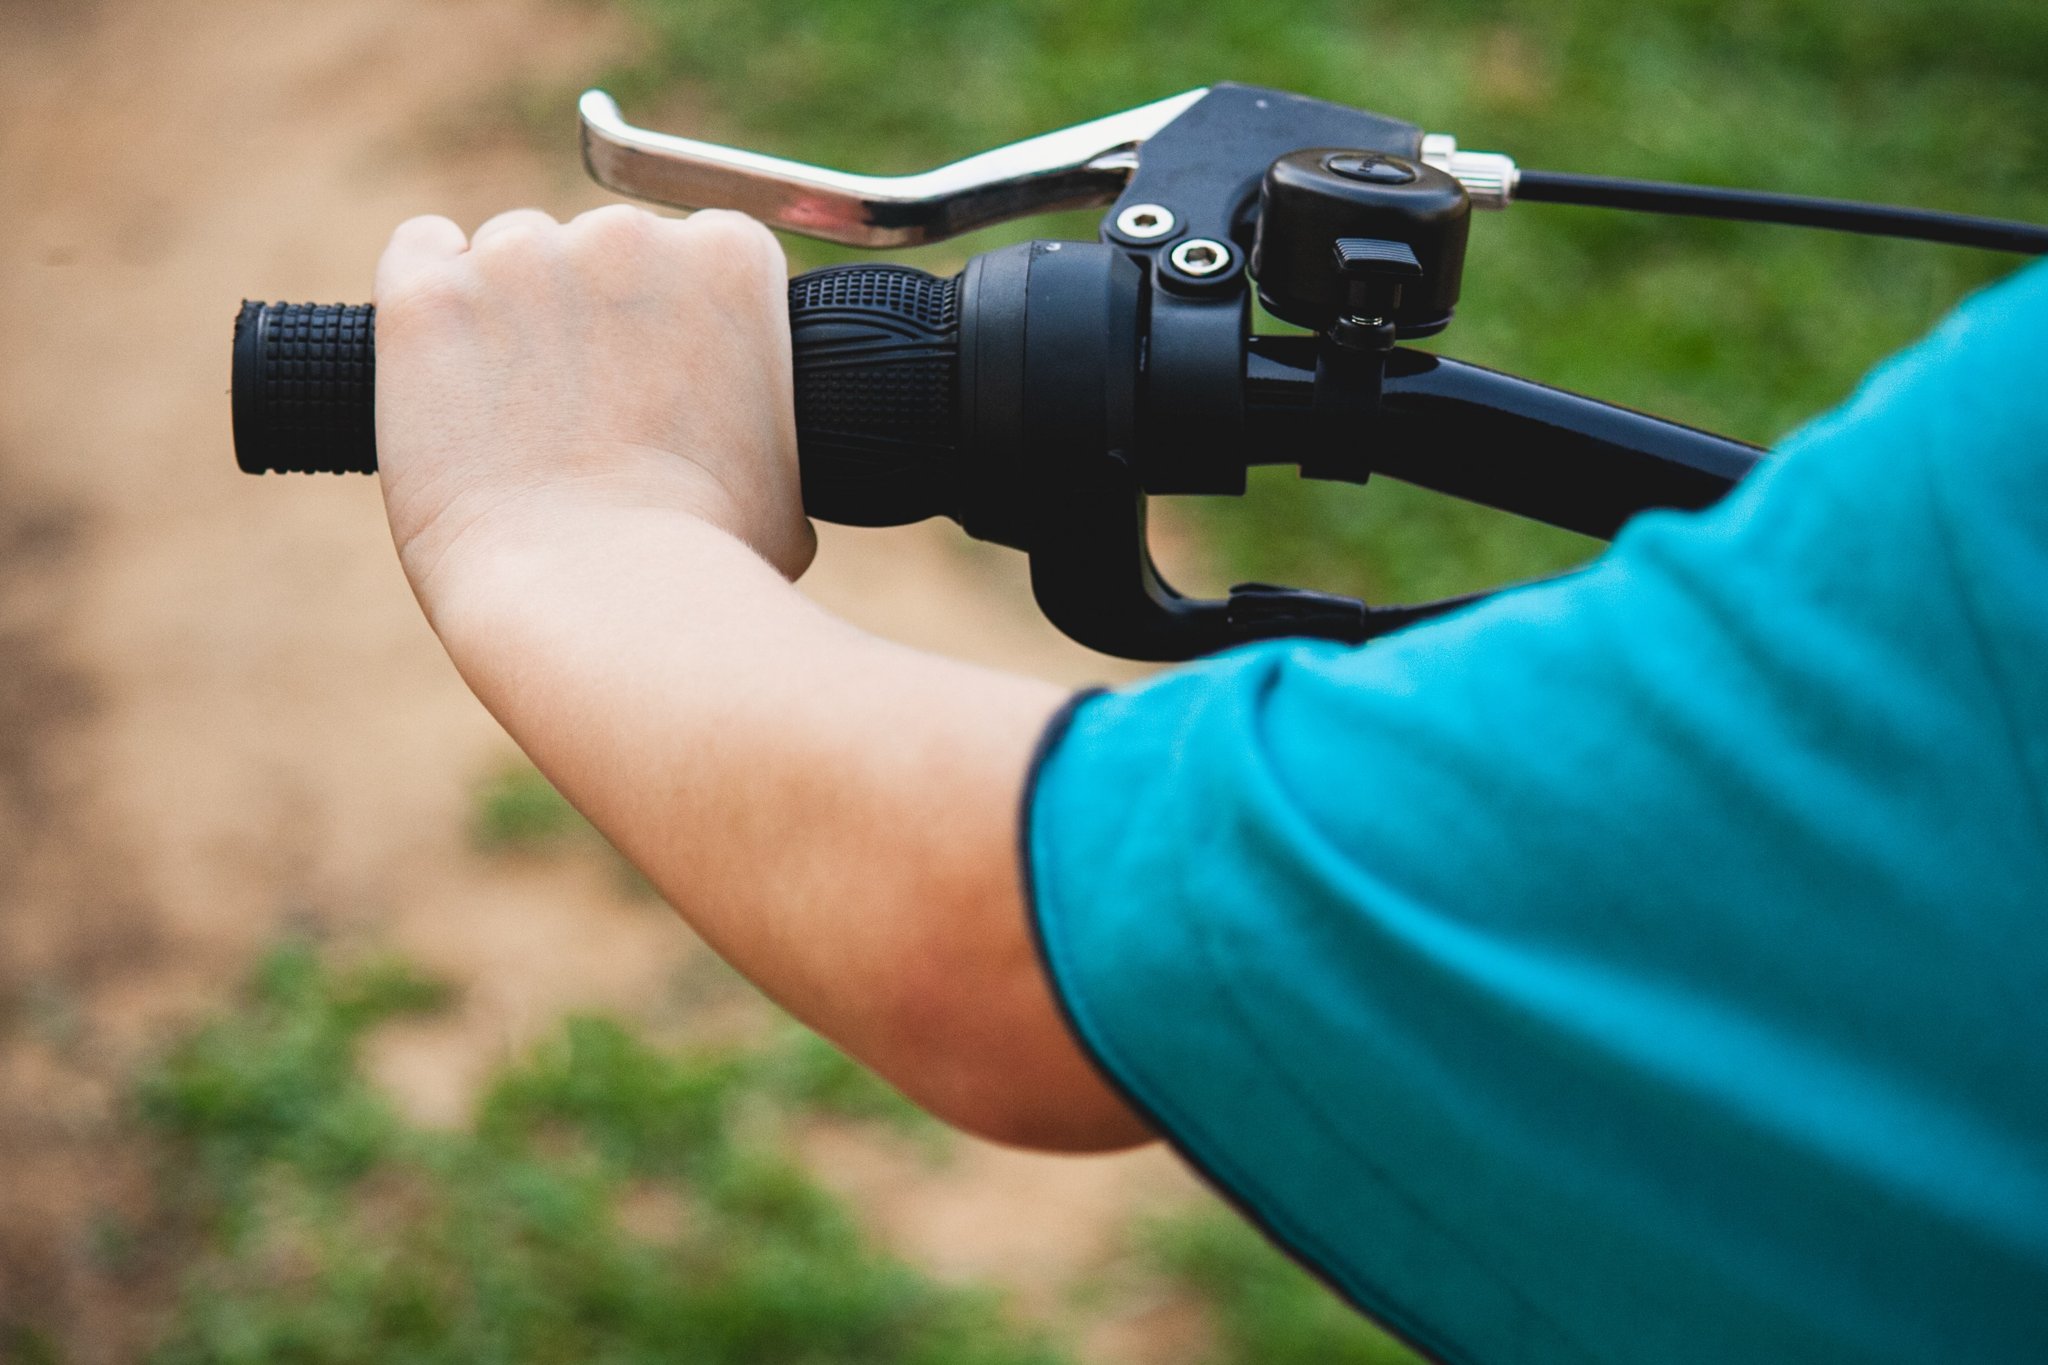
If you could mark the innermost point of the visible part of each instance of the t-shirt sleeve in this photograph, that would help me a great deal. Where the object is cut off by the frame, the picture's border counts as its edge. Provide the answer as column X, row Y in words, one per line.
column 1643, row 966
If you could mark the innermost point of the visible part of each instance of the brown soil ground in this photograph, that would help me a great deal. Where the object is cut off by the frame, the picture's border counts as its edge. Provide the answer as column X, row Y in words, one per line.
column 221, row 715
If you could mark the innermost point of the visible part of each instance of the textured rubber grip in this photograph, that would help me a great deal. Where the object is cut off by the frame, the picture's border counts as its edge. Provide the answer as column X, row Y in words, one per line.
column 876, row 350
column 876, row 354
column 304, row 388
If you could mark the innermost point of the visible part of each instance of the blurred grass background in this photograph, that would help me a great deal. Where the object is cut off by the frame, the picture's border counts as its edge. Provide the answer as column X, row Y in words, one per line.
column 611, row 1201
column 1738, row 328
column 617, row 1202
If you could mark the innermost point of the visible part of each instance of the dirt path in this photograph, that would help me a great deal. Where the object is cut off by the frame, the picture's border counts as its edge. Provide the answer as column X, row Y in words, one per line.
column 220, row 714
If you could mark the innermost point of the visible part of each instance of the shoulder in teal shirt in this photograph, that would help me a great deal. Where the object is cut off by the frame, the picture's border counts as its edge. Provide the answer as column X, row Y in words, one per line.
column 1649, row 966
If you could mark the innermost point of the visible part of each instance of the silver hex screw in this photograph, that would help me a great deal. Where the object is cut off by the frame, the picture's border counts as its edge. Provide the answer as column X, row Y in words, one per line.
column 1200, row 257
column 1146, row 222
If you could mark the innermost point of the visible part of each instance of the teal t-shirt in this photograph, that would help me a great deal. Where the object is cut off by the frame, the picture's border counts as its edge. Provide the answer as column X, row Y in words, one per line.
column 1651, row 966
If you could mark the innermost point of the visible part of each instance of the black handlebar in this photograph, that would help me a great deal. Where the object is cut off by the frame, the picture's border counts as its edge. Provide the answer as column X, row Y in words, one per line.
column 877, row 410
column 1043, row 394
column 1040, row 395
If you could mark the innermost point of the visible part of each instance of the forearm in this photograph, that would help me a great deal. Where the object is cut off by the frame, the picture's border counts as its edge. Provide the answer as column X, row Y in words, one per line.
column 832, row 812
column 588, row 452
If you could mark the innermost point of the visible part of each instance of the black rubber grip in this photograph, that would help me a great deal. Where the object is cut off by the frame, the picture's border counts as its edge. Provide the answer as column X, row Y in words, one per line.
column 305, row 388
column 876, row 354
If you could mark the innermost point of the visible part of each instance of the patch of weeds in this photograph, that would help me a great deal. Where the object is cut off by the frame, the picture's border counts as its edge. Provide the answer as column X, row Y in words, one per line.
column 24, row 1345
column 275, row 1086
column 808, row 1073
column 1266, row 1309
column 334, row 1233
column 519, row 811
column 113, row 1243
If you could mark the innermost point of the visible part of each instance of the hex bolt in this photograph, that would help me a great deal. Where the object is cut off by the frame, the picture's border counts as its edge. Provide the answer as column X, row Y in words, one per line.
column 1146, row 222
column 1200, row 257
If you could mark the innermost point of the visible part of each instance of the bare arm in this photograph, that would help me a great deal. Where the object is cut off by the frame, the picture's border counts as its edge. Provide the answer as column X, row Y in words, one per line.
column 589, row 463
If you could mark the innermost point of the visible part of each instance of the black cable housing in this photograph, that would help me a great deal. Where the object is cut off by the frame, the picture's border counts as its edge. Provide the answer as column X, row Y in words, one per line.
column 1796, row 210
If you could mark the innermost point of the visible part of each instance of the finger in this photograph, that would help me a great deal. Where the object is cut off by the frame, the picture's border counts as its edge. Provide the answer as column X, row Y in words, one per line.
column 417, row 245
column 512, row 220
column 617, row 214
column 734, row 232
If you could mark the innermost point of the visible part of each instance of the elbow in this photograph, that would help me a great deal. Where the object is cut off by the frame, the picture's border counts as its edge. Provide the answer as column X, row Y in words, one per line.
column 1068, row 1121
column 991, row 1055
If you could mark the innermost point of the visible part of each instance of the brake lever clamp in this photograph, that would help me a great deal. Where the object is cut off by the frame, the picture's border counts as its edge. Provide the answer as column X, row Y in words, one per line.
column 1195, row 217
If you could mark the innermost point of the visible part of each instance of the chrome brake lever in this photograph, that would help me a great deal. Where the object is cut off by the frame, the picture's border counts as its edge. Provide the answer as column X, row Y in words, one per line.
column 1070, row 168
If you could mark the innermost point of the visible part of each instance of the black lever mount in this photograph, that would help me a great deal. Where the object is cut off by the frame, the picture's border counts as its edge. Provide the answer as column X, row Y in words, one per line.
column 1347, row 232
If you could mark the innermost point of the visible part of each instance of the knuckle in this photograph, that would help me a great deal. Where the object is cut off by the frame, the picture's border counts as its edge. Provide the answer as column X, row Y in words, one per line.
column 739, row 242
column 513, row 233
column 614, row 250
column 511, row 238
column 429, row 298
column 515, row 252
column 616, row 224
column 420, row 225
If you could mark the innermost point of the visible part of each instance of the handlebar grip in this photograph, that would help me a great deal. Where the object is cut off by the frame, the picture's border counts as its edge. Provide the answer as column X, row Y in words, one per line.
column 304, row 388
column 875, row 350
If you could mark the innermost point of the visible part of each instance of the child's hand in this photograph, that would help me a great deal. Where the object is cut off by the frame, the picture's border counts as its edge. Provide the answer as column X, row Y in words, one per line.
column 618, row 359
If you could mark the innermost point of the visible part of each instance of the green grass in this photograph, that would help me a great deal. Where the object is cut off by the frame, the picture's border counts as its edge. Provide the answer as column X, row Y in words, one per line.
column 516, row 812
column 613, row 1203
column 519, row 811
column 1265, row 1309
column 1744, row 329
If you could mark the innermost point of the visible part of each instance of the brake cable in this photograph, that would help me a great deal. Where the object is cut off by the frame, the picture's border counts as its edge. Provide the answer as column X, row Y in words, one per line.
column 1791, row 210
